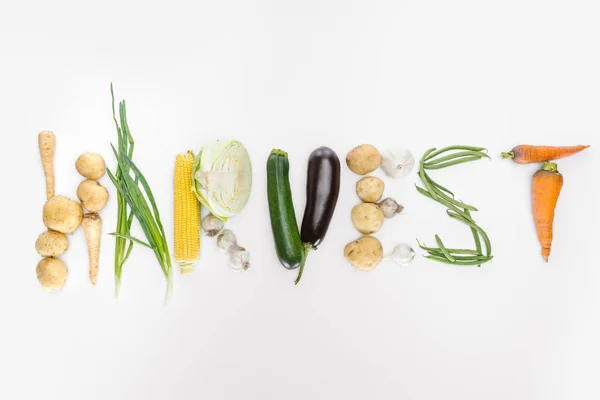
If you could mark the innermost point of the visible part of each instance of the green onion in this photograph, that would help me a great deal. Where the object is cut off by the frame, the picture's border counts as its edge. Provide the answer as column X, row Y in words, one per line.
column 124, row 219
column 140, row 201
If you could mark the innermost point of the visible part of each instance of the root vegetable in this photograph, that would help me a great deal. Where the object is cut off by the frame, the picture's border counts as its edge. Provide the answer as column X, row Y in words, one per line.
column 51, row 273
column 367, row 218
column 370, row 189
column 62, row 214
column 363, row 159
column 390, row 207
column 51, row 244
column 526, row 154
column 365, row 253
column 92, row 195
column 92, row 229
column 47, row 144
column 91, row 166
column 546, row 186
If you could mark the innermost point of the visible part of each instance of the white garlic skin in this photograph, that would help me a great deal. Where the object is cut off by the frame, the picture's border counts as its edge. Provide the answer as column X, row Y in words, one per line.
column 239, row 260
column 212, row 225
column 226, row 241
column 390, row 207
column 397, row 162
column 402, row 255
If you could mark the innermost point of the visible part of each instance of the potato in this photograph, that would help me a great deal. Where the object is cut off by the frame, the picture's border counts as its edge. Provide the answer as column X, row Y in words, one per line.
column 365, row 253
column 62, row 214
column 367, row 218
column 51, row 244
column 91, row 166
column 363, row 159
column 370, row 189
column 51, row 273
column 92, row 195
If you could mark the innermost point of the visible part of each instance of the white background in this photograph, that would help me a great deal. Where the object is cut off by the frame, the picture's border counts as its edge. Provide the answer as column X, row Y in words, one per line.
column 296, row 75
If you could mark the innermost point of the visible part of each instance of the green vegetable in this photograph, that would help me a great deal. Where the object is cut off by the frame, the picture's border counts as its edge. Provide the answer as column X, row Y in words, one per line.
column 223, row 177
column 125, row 145
column 140, row 200
column 290, row 249
column 450, row 156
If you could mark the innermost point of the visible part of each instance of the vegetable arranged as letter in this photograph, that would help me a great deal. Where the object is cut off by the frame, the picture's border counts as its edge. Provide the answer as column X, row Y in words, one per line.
column 527, row 154
column 290, row 249
column 186, row 214
column 456, row 208
column 545, row 189
column 223, row 177
column 127, row 181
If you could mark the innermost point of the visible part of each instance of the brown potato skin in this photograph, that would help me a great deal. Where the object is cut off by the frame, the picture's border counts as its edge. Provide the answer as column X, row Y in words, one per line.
column 365, row 253
column 51, row 244
column 370, row 189
column 367, row 218
column 363, row 159
column 92, row 195
column 62, row 214
column 91, row 166
column 51, row 273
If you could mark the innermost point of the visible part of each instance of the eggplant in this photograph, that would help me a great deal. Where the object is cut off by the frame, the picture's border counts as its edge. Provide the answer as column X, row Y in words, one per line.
column 322, row 190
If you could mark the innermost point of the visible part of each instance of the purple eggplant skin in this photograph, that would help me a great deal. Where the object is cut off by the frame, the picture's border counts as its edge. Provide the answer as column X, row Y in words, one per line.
column 322, row 190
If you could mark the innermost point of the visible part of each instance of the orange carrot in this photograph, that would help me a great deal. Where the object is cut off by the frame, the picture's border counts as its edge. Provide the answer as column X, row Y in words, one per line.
column 545, row 189
column 526, row 154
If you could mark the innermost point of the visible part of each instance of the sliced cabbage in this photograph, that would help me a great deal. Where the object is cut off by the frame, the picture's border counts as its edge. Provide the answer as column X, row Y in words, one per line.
column 223, row 177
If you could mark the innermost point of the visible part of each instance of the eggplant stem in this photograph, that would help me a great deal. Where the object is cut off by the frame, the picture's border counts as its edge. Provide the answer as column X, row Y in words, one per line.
column 307, row 248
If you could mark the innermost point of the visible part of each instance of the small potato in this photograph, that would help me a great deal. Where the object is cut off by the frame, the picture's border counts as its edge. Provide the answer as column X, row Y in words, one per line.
column 51, row 273
column 365, row 253
column 370, row 189
column 367, row 218
column 51, row 244
column 62, row 214
column 92, row 195
column 91, row 166
column 363, row 159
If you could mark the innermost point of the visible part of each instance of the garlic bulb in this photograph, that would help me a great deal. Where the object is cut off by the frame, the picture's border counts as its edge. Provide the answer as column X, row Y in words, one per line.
column 239, row 260
column 212, row 225
column 390, row 207
column 402, row 255
column 226, row 241
column 397, row 162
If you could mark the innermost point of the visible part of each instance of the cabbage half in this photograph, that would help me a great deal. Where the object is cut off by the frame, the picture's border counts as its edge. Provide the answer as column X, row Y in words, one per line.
column 223, row 177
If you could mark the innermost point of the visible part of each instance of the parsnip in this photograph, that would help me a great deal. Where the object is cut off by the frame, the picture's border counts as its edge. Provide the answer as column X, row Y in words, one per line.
column 92, row 229
column 47, row 144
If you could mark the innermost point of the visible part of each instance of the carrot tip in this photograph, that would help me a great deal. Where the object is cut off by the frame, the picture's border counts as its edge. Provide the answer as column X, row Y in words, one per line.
column 545, row 253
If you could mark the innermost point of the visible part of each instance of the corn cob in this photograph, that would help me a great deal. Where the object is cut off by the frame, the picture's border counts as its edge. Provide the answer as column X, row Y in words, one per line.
column 186, row 214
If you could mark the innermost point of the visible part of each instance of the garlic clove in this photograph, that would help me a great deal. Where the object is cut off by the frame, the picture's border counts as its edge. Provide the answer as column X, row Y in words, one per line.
column 390, row 207
column 397, row 162
column 402, row 255
column 239, row 260
column 226, row 241
column 212, row 225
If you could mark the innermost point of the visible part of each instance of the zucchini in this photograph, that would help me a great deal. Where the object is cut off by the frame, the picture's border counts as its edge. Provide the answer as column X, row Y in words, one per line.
column 290, row 249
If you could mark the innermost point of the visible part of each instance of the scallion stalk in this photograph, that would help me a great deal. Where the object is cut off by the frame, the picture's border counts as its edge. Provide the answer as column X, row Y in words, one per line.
column 135, row 195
